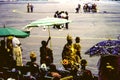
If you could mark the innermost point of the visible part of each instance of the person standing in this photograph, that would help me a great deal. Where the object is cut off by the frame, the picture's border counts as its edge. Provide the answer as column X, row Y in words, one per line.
column 77, row 46
column 67, row 17
column 28, row 7
column 31, row 8
column 17, row 51
column 3, row 51
column 10, row 59
column 46, row 55
column 69, row 53
column 78, row 8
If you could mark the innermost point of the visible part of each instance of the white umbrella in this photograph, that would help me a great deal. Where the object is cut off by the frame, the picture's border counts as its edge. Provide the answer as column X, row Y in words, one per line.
column 47, row 22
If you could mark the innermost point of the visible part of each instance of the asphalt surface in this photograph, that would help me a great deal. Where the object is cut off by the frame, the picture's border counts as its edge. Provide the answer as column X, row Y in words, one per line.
column 90, row 27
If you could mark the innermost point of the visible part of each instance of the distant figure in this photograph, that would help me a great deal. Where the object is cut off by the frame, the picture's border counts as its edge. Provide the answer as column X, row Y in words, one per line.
column 46, row 54
column 78, row 8
column 86, row 8
column 31, row 8
column 94, row 8
column 63, row 15
column 28, row 7
column 56, row 14
column 67, row 17
column 77, row 46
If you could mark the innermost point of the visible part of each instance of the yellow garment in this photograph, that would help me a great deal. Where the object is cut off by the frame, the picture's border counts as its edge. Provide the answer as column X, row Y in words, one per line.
column 18, row 56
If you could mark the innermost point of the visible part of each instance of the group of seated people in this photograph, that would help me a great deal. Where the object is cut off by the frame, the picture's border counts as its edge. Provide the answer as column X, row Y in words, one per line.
column 32, row 71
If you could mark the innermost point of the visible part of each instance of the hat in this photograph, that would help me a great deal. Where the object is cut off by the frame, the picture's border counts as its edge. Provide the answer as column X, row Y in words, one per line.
column 69, row 37
column 32, row 54
column 10, row 37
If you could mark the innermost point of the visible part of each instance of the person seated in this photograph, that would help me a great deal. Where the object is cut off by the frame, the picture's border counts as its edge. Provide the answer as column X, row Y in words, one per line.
column 33, row 66
column 84, row 74
column 53, row 72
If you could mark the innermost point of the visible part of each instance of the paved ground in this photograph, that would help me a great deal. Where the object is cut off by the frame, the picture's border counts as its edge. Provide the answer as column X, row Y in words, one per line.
column 91, row 27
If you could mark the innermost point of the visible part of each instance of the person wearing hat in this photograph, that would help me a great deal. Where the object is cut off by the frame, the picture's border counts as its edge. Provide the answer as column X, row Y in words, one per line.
column 33, row 66
column 17, row 51
column 69, row 53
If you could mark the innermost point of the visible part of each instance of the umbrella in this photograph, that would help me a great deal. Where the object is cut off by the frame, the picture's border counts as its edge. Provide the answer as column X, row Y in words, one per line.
column 105, row 47
column 8, row 31
column 47, row 22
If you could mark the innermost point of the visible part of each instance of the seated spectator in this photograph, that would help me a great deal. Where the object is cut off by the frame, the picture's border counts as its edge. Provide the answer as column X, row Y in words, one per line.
column 109, row 67
column 84, row 74
column 33, row 66
column 53, row 72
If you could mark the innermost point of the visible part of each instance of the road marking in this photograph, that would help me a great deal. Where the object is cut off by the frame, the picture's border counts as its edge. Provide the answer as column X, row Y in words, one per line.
column 89, row 38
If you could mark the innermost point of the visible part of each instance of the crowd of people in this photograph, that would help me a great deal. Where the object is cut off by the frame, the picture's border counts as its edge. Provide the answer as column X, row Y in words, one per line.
column 12, row 66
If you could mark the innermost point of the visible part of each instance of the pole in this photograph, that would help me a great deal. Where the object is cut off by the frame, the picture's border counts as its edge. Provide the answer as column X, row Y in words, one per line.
column 50, row 36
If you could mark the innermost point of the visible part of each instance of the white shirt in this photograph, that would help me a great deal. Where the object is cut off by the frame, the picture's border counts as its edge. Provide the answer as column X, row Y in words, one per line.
column 15, row 42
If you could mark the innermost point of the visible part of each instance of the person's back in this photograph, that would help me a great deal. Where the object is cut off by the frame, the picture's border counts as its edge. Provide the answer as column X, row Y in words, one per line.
column 3, row 52
column 84, row 74
column 46, row 54
column 77, row 46
column 33, row 66
column 87, row 75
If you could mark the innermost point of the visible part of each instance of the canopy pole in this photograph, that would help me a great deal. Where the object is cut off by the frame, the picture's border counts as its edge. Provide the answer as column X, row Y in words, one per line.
column 4, row 27
column 50, row 36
